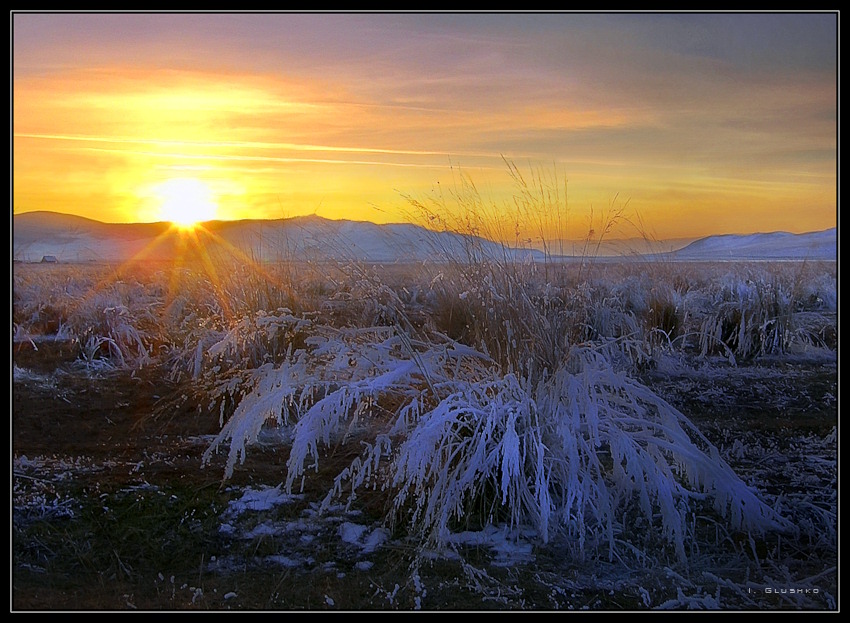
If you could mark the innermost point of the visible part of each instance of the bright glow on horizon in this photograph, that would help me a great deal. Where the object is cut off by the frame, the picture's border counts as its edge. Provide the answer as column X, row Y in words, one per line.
column 185, row 202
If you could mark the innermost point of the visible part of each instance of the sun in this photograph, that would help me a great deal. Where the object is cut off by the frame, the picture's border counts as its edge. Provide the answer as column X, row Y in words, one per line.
column 185, row 202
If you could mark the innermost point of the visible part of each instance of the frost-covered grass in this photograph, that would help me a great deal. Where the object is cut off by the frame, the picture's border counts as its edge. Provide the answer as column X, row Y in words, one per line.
column 474, row 383
column 474, row 393
column 544, row 433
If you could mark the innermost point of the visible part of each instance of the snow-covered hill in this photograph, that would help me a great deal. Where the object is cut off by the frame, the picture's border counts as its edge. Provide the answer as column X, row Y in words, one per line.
column 820, row 245
column 72, row 238
column 76, row 239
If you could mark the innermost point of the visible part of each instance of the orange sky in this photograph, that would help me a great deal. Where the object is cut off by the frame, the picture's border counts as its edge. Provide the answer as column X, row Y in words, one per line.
column 699, row 124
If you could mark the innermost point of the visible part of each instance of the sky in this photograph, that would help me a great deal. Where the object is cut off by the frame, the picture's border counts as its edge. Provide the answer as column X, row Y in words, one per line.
column 672, row 125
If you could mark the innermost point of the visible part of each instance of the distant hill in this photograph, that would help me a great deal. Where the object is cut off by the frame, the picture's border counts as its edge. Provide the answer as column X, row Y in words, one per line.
column 820, row 245
column 75, row 239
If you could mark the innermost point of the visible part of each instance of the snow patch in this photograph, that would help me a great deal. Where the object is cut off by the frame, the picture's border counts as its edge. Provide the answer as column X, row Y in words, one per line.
column 261, row 499
column 509, row 547
column 359, row 535
column 351, row 532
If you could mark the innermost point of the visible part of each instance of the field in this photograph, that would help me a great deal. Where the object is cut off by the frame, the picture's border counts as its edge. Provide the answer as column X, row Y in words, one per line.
column 472, row 433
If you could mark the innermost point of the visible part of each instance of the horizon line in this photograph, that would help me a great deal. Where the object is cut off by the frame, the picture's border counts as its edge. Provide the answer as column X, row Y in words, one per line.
column 350, row 220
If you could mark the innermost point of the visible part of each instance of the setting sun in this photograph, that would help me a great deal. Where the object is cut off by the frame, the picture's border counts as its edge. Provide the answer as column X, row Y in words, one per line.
column 186, row 202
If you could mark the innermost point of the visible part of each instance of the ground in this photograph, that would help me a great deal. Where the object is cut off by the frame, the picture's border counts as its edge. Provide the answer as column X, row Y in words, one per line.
column 113, row 509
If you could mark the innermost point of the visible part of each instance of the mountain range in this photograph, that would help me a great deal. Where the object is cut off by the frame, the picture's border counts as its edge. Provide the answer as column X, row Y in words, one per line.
column 69, row 238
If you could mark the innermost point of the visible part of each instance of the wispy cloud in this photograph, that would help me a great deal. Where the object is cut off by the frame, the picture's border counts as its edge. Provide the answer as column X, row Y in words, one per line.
column 260, row 145
column 257, row 158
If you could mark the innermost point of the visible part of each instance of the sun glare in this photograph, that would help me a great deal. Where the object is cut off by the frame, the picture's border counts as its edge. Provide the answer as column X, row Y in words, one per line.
column 186, row 202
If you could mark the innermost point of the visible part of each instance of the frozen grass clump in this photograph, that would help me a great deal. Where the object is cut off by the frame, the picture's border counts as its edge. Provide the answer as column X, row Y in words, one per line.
column 113, row 319
column 452, row 438
column 506, row 402
column 750, row 315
